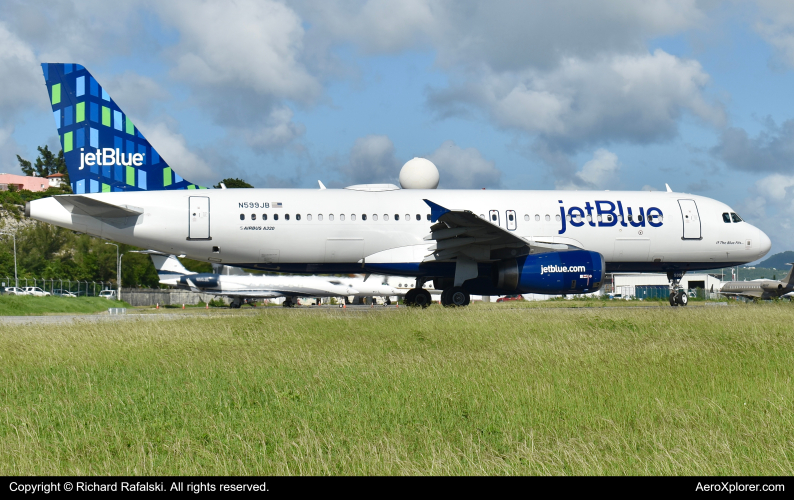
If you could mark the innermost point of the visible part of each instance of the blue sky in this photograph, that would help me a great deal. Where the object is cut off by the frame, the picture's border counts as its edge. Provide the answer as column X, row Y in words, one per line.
column 520, row 95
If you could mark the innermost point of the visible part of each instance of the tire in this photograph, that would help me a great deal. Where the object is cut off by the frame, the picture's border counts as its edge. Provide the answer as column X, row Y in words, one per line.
column 458, row 297
column 445, row 298
column 673, row 301
column 423, row 298
column 410, row 297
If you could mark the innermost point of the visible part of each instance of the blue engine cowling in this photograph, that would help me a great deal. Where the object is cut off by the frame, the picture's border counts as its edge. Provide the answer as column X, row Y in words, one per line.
column 554, row 273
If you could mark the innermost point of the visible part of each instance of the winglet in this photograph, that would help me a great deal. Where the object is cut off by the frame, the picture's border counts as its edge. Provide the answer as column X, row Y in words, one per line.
column 322, row 186
column 436, row 211
column 668, row 187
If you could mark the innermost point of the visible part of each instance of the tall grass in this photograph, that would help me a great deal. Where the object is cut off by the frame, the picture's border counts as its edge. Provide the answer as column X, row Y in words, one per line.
column 483, row 390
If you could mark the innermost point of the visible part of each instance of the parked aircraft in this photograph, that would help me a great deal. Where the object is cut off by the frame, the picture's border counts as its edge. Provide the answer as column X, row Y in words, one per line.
column 761, row 289
column 242, row 288
column 467, row 241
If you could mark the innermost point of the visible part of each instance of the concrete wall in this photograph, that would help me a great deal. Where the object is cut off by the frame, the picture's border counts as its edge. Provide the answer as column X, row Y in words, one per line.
column 151, row 297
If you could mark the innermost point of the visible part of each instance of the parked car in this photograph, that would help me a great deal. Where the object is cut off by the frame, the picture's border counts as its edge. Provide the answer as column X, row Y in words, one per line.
column 35, row 291
column 108, row 294
column 63, row 293
column 508, row 298
column 12, row 290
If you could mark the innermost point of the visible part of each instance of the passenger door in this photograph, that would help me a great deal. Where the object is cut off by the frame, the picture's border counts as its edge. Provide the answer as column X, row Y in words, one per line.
column 691, row 218
column 199, row 226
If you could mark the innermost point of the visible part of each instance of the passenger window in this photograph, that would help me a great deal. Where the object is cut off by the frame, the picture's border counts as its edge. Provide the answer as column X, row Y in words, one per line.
column 639, row 218
column 493, row 217
column 396, row 216
column 308, row 216
column 735, row 217
column 253, row 216
column 418, row 217
column 599, row 218
column 363, row 216
column 609, row 218
column 408, row 217
column 341, row 216
column 630, row 218
column 537, row 217
column 242, row 216
column 352, row 216
column 320, row 217
column 331, row 217
column 375, row 216
column 510, row 217
column 275, row 216
column 264, row 216
column 429, row 217
column 548, row 218
column 526, row 216
column 558, row 218
column 385, row 216
column 298, row 217
column 726, row 218
column 286, row 216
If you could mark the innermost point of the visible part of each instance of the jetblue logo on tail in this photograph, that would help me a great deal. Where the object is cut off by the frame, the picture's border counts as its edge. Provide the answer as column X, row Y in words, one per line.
column 103, row 149
column 108, row 157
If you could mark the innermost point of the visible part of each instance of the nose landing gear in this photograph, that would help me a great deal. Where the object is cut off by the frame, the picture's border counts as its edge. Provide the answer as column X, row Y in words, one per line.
column 678, row 295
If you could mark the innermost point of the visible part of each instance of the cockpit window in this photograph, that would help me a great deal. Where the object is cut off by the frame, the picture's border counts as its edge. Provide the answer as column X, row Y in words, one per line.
column 735, row 217
column 726, row 217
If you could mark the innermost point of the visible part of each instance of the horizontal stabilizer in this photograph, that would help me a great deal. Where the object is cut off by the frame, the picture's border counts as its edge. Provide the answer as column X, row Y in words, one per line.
column 83, row 205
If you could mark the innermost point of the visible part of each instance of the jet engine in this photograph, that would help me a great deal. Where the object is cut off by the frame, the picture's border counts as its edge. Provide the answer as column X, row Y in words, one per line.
column 554, row 273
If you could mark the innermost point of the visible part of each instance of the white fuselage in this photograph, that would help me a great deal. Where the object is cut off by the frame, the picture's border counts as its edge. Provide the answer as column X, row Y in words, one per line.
column 318, row 230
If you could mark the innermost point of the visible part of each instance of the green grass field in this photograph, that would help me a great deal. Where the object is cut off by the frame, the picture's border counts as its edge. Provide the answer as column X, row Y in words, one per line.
column 26, row 305
column 483, row 390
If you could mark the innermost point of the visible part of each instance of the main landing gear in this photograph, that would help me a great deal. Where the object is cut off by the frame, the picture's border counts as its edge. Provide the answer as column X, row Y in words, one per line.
column 418, row 297
column 678, row 295
column 288, row 302
column 455, row 297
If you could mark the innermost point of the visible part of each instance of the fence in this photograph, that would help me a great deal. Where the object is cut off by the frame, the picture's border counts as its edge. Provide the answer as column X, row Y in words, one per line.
column 83, row 288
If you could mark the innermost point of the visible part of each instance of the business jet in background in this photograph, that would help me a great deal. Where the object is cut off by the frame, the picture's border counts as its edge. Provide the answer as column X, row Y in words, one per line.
column 761, row 289
column 466, row 241
column 242, row 287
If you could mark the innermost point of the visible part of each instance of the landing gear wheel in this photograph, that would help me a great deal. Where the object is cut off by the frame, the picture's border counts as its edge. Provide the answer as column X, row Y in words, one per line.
column 445, row 297
column 458, row 297
column 287, row 303
column 681, row 298
column 672, row 299
column 422, row 298
column 410, row 297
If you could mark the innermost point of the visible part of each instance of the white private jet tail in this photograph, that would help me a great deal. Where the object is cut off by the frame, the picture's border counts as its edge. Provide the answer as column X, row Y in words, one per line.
column 169, row 269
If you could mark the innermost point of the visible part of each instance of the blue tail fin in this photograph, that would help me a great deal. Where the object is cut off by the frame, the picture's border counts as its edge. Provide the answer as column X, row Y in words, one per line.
column 104, row 151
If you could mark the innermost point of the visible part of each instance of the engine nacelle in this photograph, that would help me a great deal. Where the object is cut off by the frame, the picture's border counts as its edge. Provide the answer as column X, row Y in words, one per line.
column 553, row 273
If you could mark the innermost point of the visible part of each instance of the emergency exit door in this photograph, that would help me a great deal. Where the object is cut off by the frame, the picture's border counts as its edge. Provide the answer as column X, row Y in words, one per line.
column 691, row 218
column 199, row 226
column 493, row 216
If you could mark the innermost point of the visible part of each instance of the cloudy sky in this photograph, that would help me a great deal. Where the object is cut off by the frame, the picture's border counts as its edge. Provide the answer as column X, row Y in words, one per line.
column 577, row 94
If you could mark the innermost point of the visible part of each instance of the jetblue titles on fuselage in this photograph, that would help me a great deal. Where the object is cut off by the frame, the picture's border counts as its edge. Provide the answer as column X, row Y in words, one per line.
column 608, row 214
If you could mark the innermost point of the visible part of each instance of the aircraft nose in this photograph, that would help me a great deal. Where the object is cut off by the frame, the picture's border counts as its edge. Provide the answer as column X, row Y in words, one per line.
column 764, row 243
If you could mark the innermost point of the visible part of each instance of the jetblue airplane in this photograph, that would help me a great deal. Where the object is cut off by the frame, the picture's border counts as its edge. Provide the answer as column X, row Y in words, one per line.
column 467, row 241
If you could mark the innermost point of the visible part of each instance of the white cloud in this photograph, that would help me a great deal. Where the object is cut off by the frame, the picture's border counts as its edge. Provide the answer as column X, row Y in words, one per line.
column 21, row 77
column 464, row 168
column 598, row 173
column 635, row 98
column 372, row 161
column 776, row 26
column 173, row 148
column 247, row 44
column 771, row 208
column 278, row 130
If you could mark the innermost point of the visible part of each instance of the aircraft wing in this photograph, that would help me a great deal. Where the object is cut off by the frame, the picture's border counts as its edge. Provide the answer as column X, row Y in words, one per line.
column 463, row 233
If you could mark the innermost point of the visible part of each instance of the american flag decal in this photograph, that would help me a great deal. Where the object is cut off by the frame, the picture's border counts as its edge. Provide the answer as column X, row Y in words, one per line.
column 276, row 204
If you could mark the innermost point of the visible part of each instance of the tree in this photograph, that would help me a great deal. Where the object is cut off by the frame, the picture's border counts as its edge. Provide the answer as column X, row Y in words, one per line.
column 233, row 183
column 46, row 164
